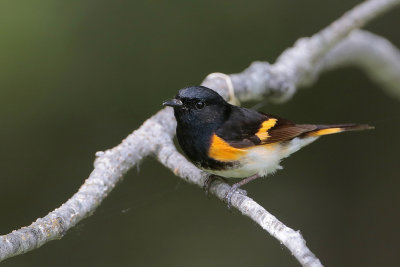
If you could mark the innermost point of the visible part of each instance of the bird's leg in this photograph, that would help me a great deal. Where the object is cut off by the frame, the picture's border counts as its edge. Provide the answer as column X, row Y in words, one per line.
column 211, row 178
column 236, row 186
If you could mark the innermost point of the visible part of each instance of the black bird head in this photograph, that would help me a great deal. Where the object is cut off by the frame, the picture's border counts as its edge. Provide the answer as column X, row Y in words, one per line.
column 198, row 106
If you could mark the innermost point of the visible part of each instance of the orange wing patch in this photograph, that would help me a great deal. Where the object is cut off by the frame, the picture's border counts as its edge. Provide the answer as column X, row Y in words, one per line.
column 265, row 126
column 325, row 131
column 222, row 151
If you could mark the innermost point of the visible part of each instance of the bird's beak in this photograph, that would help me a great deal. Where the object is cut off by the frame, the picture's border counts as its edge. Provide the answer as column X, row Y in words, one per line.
column 175, row 103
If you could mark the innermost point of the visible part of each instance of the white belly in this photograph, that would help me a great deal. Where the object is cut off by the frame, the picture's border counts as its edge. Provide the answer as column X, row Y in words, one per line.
column 264, row 159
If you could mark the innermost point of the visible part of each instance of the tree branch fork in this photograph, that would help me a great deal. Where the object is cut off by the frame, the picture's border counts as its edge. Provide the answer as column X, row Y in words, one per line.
column 339, row 44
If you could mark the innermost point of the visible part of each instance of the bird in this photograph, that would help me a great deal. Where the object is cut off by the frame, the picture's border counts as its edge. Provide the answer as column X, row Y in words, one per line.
column 229, row 141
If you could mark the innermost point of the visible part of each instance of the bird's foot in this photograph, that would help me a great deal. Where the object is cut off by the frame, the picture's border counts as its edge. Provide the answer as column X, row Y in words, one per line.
column 207, row 184
column 234, row 189
column 210, row 179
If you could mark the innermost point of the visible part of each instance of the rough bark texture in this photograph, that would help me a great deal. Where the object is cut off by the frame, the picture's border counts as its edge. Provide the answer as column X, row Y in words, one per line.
column 335, row 46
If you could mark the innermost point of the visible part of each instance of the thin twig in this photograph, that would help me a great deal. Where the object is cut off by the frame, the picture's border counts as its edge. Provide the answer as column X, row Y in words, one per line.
column 297, row 66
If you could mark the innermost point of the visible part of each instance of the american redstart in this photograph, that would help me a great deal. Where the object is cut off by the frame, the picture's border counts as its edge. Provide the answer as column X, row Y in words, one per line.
column 234, row 142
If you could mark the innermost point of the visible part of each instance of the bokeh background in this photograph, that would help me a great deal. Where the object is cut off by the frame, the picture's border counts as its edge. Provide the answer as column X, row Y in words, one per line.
column 77, row 77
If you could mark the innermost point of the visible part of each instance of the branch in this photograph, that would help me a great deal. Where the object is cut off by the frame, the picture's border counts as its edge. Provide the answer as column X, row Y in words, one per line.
column 373, row 54
column 297, row 66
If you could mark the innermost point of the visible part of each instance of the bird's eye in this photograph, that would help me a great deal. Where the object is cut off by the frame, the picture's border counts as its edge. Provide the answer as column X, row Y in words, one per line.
column 200, row 105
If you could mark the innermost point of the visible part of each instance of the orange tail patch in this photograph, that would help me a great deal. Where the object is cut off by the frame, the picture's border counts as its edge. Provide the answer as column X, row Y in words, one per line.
column 331, row 129
column 325, row 131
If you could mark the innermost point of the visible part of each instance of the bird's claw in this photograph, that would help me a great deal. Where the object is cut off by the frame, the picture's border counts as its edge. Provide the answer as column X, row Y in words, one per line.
column 209, row 180
column 228, row 197
column 207, row 184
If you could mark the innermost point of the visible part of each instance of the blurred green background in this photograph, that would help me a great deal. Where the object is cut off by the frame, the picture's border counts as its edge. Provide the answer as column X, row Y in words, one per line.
column 77, row 77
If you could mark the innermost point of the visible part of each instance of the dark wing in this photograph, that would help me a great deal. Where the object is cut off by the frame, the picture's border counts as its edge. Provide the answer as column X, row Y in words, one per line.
column 285, row 130
column 246, row 128
column 240, row 127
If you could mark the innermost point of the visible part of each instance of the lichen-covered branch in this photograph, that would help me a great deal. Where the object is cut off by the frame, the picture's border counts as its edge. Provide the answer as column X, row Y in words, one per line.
column 298, row 66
